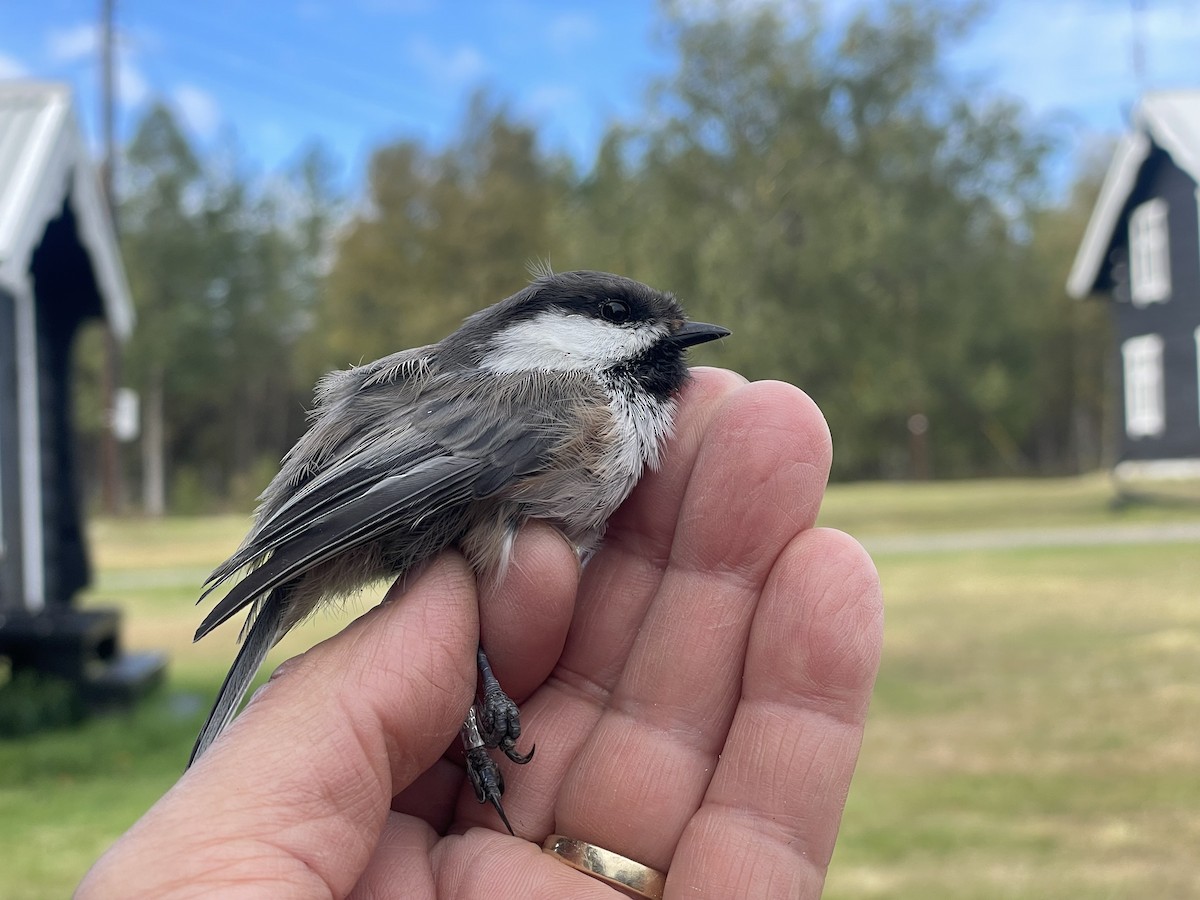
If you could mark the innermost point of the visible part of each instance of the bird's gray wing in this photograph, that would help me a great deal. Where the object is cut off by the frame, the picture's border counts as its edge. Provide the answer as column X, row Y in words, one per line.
column 342, row 481
column 395, row 501
column 325, row 466
column 367, row 493
column 355, row 499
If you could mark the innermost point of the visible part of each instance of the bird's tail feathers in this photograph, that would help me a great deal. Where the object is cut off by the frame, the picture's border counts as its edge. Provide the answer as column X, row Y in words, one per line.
column 260, row 638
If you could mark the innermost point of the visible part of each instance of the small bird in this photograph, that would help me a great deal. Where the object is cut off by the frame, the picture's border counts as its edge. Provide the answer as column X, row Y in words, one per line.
column 548, row 405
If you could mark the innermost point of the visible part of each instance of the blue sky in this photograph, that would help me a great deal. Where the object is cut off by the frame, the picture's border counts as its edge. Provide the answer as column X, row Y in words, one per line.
column 355, row 73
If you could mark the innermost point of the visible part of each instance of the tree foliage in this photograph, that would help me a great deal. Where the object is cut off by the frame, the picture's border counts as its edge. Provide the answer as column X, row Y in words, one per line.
column 226, row 286
column 871, row 228
column 862, row 220
column 443, row 235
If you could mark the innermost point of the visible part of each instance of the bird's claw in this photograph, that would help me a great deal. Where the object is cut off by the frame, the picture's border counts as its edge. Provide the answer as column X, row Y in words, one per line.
column 499, row 717
column 494, row 722
column 500, row 724
column 486, row 777
column 519, row 758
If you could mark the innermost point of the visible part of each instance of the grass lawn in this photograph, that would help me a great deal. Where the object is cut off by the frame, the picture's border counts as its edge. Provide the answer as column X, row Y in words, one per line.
column 1033, row 734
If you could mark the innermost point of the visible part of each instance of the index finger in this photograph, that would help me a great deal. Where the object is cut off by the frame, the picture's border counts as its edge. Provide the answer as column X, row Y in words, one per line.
column 757, row 483
column 770, row 817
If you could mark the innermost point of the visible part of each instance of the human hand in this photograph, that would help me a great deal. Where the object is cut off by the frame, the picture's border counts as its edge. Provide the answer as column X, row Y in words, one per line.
column 697, row 699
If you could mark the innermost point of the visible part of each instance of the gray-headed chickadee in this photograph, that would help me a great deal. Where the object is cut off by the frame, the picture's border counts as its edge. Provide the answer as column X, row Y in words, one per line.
column 547, row 405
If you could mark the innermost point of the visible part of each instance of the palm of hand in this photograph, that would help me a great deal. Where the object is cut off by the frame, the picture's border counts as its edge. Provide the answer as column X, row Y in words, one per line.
column 697, row 698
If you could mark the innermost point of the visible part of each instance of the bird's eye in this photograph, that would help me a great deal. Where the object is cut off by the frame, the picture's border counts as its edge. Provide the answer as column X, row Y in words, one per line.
column 615, row 311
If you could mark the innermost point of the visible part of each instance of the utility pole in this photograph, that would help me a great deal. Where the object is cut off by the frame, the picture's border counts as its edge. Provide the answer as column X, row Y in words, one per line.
column 110, row 452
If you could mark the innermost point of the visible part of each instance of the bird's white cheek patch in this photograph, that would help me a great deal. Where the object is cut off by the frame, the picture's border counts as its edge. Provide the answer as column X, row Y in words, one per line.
column 557, row 342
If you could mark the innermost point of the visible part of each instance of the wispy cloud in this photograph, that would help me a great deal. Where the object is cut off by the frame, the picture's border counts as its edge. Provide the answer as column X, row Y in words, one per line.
column 11, row 67
column 199, row 109
column 551, row 99
column 132, row 87
column 402, row 7
column 1077, row 55
column 81, row 43
column 64, row 45
column 449, row 68
column 1172, row 32
column 312, row 10
column 703, row 9
column 568, row 31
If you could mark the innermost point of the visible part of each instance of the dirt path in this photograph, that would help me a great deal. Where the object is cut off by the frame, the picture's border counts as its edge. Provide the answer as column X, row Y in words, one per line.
column 1024, row 538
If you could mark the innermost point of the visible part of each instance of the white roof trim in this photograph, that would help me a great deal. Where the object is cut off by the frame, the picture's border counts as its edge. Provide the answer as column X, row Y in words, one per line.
column 98, row 236
column 1173, row 120
column 27, row 175
column 1131, row 152
column 49, row 162
column 1168, row 119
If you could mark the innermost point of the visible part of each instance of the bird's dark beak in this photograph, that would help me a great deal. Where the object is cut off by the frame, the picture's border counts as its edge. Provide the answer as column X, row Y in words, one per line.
column 693, row 333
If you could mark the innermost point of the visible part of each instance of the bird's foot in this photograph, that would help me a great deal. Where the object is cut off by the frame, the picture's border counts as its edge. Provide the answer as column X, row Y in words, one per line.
column 486, row 777
column 499, row 717
column 500, row 723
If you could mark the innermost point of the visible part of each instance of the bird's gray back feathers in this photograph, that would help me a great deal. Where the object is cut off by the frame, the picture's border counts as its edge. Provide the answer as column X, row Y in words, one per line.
column 396, row 478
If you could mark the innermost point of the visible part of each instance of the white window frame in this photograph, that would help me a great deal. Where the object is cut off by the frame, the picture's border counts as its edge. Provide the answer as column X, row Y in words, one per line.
column 1145, row 401
column 1149, row 253
column 3, row 546
column 1197, row 335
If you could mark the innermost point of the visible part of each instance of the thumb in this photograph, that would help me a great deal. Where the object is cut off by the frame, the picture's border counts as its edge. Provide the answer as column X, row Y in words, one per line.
column 296, row 792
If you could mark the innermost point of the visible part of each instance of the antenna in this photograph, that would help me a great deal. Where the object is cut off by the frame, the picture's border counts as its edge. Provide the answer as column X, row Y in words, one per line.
column 1137, row 41
column 107, row 98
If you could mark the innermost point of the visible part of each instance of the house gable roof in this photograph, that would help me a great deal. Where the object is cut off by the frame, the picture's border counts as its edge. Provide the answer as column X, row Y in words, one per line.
column 1166, row 119
column 43, row 160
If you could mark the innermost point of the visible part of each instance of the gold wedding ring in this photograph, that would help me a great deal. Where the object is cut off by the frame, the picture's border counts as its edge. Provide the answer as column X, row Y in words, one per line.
column 613, row 869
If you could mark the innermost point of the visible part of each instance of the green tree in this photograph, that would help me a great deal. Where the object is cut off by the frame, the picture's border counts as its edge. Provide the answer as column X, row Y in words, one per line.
column 442, row 236
column 159, row 239
column 1074, row 343
column 872, row 229
column 224, row 267
column 861, row 220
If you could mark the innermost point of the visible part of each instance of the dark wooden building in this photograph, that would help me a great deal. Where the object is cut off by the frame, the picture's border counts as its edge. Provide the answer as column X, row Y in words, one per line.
column 1142, row 251
column 59, row 268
